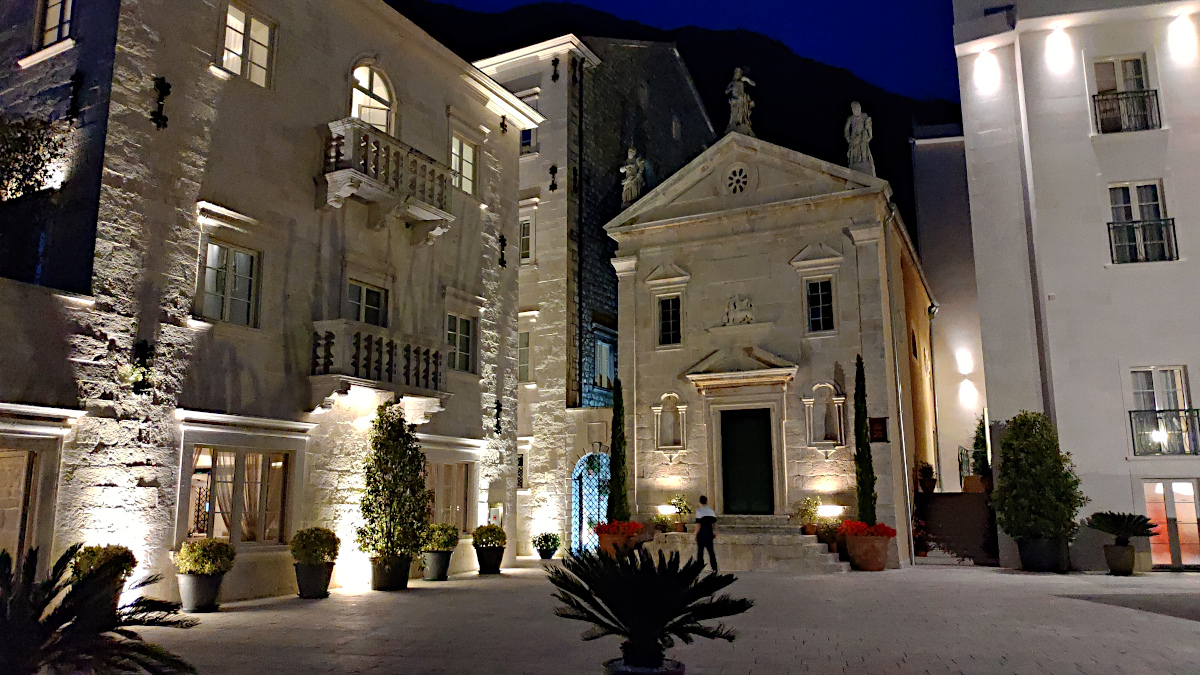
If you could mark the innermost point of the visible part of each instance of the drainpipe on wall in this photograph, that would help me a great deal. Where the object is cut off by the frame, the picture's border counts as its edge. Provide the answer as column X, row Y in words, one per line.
column 937, row 445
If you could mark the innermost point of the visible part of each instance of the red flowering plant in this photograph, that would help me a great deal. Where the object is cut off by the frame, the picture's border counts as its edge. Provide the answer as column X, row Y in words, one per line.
column 622, row 527
column 857, row 528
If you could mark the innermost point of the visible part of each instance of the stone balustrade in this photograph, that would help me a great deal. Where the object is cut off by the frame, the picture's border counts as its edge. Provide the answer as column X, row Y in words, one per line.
column 364, row 162
column 352, row 349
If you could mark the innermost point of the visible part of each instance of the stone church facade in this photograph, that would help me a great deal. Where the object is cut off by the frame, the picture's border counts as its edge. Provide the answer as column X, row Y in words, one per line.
column 749, row 282
column 274, row 215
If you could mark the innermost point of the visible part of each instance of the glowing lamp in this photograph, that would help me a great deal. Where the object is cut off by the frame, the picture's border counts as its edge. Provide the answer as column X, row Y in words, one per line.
column 968, row 395
column 1060, row 54
column 830, row 510
column 667, row 510
column 1181, row 40
column 1159, row 436
column 966, row 364
column 987, row 72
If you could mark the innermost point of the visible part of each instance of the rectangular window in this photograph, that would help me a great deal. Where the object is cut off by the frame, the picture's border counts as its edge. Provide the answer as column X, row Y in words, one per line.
column 245, row 487
column 670, row 328
column 1171, row 504
column 819, row 299
column 521, row 471
column 1123, row 99
column 368, row 303
column 460, row 337
column 247, row 46
column 450, row 483
column 526, row 239
column 56, row 21
column 523, row 374
column 606, row 364
column 1140, row 230
column 229, row 278
column 529, row 136
column 462, row 162
column 1162, row 420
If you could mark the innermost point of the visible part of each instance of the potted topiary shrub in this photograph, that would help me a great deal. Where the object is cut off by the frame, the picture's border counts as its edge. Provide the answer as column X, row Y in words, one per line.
column 647, row 603
column 489, row 541
column 314, row 549
column 867, row 545
column 806, row 513
column 1120, row 554
column 662, row 523
column 546, row 544
column 91, row 558
column 439, row 547
column 395, row 503
column 202, row 564
column 926, row 477
column 1037, row 495
column 682, row 510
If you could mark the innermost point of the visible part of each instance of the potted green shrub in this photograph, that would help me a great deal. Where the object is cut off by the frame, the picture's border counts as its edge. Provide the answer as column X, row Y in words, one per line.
column 926, row 477
column 489, row 541
column 682, row 510
column 1120, row 554
column 981, row 469
column 806, row 513
column 1037, row 495
column 395, row 503
column 662, row 523
column 91, row 558
column 646, row 602
column 202, row 564
column 546, row 544
column 314, row 549
column 439, row 547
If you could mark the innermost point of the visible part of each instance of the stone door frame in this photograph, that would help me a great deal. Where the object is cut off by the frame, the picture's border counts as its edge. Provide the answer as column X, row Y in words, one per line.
column 718, row 400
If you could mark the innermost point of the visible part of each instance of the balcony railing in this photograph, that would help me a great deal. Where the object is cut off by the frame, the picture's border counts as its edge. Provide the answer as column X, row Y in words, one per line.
column 1127, row 111
column 1165, row 432
column 362, row 161
column 1142, row 241
column 358, row 350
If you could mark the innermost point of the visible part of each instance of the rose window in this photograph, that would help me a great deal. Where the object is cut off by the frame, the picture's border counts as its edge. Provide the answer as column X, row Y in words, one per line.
column 739, row 180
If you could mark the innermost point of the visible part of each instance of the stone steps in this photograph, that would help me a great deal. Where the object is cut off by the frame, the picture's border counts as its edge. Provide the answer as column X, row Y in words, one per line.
column 792, row 553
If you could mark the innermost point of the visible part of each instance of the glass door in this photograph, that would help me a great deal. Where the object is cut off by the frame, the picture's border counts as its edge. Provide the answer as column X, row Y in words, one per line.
column 1171, row 504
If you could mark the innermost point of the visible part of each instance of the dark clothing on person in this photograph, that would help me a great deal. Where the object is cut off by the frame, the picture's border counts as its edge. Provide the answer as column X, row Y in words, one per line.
column 705, row 520
column 703, row 545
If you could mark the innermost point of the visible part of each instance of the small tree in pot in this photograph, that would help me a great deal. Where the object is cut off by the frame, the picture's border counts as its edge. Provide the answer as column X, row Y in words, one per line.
column 489, row 541
column 315, row 549
column 202, row 565
column 91, row 558
column 546, row 544
column 439, row 548
column 1120, row 554
column 395, row 504
column 682, row 510
column 1037, row 495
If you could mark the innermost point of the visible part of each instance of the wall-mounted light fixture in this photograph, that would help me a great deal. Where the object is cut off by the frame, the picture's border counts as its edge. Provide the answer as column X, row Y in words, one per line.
column 504, row 124
column 159, row 116
column 503, row 244
column 1060, row 54
column 554, row 64
column 499, row 409
column 1181, row 40
column 987, row 72
column 966, row 364
column 667, row 510
column 830, row 510
column 968, row 395
column 553, row 175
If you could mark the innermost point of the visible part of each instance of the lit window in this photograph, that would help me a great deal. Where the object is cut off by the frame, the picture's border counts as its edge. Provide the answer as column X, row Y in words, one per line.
column 371, row 101
column 450, row 483
column 606, row 364
column 237, row 489
column 1162, row 420
column 820, row 305
column 462, row 162
column 1123, row 99
column 56, row 21
column 526, row 239
column 669, row 321
column 523, row 374
column 247, row 49
column 368, row 303
column 460, row 337
column 229, row 277
column 1140, row 230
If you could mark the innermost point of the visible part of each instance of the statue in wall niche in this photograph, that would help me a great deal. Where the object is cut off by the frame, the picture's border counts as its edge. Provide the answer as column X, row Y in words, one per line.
column 740, row 105
column 633, row 178
column 858, row 133
column 738, row 311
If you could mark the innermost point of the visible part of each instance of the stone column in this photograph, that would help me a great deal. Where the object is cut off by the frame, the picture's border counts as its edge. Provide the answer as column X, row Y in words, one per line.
column 627, row 362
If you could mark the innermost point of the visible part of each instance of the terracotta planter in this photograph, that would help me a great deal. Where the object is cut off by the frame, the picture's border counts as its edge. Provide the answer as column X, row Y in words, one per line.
column 1044, row 555
column 927, row 485
column 437, row 565
column 618, row 667
column 809, row 528
column 972, row 484
column 312, row 580
column 615, row 545
column 1120, row 560
column 681, row 527
column 868, row 554
column 198, row 592
column 489, row 558
column 390, row 574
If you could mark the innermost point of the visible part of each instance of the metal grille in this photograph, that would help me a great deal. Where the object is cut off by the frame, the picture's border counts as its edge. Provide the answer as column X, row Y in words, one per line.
column 1119, row 111
column 589, row 503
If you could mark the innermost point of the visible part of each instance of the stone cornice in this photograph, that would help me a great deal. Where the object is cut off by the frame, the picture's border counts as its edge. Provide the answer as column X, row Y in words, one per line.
column 625, row 266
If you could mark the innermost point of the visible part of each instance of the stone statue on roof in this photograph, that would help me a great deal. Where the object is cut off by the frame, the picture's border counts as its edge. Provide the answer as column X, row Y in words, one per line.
column 740, row 105
column 633, row 178
column 858, row 133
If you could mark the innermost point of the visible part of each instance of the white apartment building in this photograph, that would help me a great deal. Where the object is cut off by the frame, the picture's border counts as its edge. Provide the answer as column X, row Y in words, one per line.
column 1082, row 134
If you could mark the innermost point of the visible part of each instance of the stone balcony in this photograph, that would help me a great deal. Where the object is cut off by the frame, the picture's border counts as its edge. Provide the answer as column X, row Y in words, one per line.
column 395, row 179
column 347, row 353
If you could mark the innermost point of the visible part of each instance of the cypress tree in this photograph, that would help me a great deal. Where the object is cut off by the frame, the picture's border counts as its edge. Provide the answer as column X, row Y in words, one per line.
column 864, row 468
column 395, row 504
column 618, row 495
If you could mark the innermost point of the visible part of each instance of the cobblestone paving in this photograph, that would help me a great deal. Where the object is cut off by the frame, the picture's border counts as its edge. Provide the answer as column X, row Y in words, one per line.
column 918, row 620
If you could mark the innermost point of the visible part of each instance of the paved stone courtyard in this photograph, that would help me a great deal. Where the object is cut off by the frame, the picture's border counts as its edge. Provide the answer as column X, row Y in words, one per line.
column 920, row 620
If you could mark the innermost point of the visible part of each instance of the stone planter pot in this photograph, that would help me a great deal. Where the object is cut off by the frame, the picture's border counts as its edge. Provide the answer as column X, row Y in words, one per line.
column 927, row 485
column 868, row 554
column 198, row 592
column 1044, row 555
column 972, row 484
column 618, row 667
column 390, row 574
column 312, row 580
column 681, row 527
column 489, row 558
column 546, row 553
column 1120, row 560
column 437, row 565
column 615, row 545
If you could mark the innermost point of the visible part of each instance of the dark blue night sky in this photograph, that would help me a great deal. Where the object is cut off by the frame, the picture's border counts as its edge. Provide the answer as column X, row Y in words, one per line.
column 904, row 46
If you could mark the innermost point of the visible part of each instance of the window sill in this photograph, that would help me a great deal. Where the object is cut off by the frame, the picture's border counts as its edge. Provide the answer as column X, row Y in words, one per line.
column 822, row 334
column 669, row 348
column 1149, row 458
column 46, row 53
column 1127, row 134
column 1147, row 263
column 532, row 154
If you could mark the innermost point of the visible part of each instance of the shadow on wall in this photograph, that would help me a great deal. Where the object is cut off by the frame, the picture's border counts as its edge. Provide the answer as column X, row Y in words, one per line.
column 34, row 366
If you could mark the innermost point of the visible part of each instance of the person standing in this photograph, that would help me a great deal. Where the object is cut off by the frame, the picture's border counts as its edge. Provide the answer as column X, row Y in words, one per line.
column 706, row 520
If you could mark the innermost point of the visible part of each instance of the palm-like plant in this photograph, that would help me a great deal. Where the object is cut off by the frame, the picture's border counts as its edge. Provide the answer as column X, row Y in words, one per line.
column 66, row 624
column 1122, row 525
column 647, row 603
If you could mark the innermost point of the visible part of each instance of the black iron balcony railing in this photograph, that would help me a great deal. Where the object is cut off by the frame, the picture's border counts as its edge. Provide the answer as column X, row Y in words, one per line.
column 1143, row 241
column 1127, row 111
column 1165, row 432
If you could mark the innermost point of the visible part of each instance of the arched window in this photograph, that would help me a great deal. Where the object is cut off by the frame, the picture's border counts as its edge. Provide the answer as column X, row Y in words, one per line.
column 371, row 101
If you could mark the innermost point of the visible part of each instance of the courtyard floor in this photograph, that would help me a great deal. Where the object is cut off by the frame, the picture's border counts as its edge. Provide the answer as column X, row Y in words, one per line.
column 925, row 619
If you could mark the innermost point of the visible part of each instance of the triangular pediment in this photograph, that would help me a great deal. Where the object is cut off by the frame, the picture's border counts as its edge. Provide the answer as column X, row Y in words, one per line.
column 738, row 360
column 740, row 172
column 669, row 275
column 817, row 258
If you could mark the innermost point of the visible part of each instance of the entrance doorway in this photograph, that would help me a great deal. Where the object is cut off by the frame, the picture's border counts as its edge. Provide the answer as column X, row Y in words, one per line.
column 1171, row 504
column 747, row 475
column 589, row 500
column 16, row 473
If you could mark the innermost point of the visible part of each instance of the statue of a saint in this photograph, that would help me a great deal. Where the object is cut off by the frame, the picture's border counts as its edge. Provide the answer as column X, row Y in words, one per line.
column 858, row 134
column 740, row 104
column 633, row 178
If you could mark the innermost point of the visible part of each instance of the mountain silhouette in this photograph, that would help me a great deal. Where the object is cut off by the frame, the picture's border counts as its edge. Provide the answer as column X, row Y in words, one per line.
column 800, row 103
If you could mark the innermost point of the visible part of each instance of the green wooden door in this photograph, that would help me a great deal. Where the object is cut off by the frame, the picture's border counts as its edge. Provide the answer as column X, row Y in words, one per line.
column 746, row 466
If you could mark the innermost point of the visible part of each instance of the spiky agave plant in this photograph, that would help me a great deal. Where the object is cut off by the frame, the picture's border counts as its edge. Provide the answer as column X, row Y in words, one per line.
column 1122, row 525
column 647, row 603
column 66, row 624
